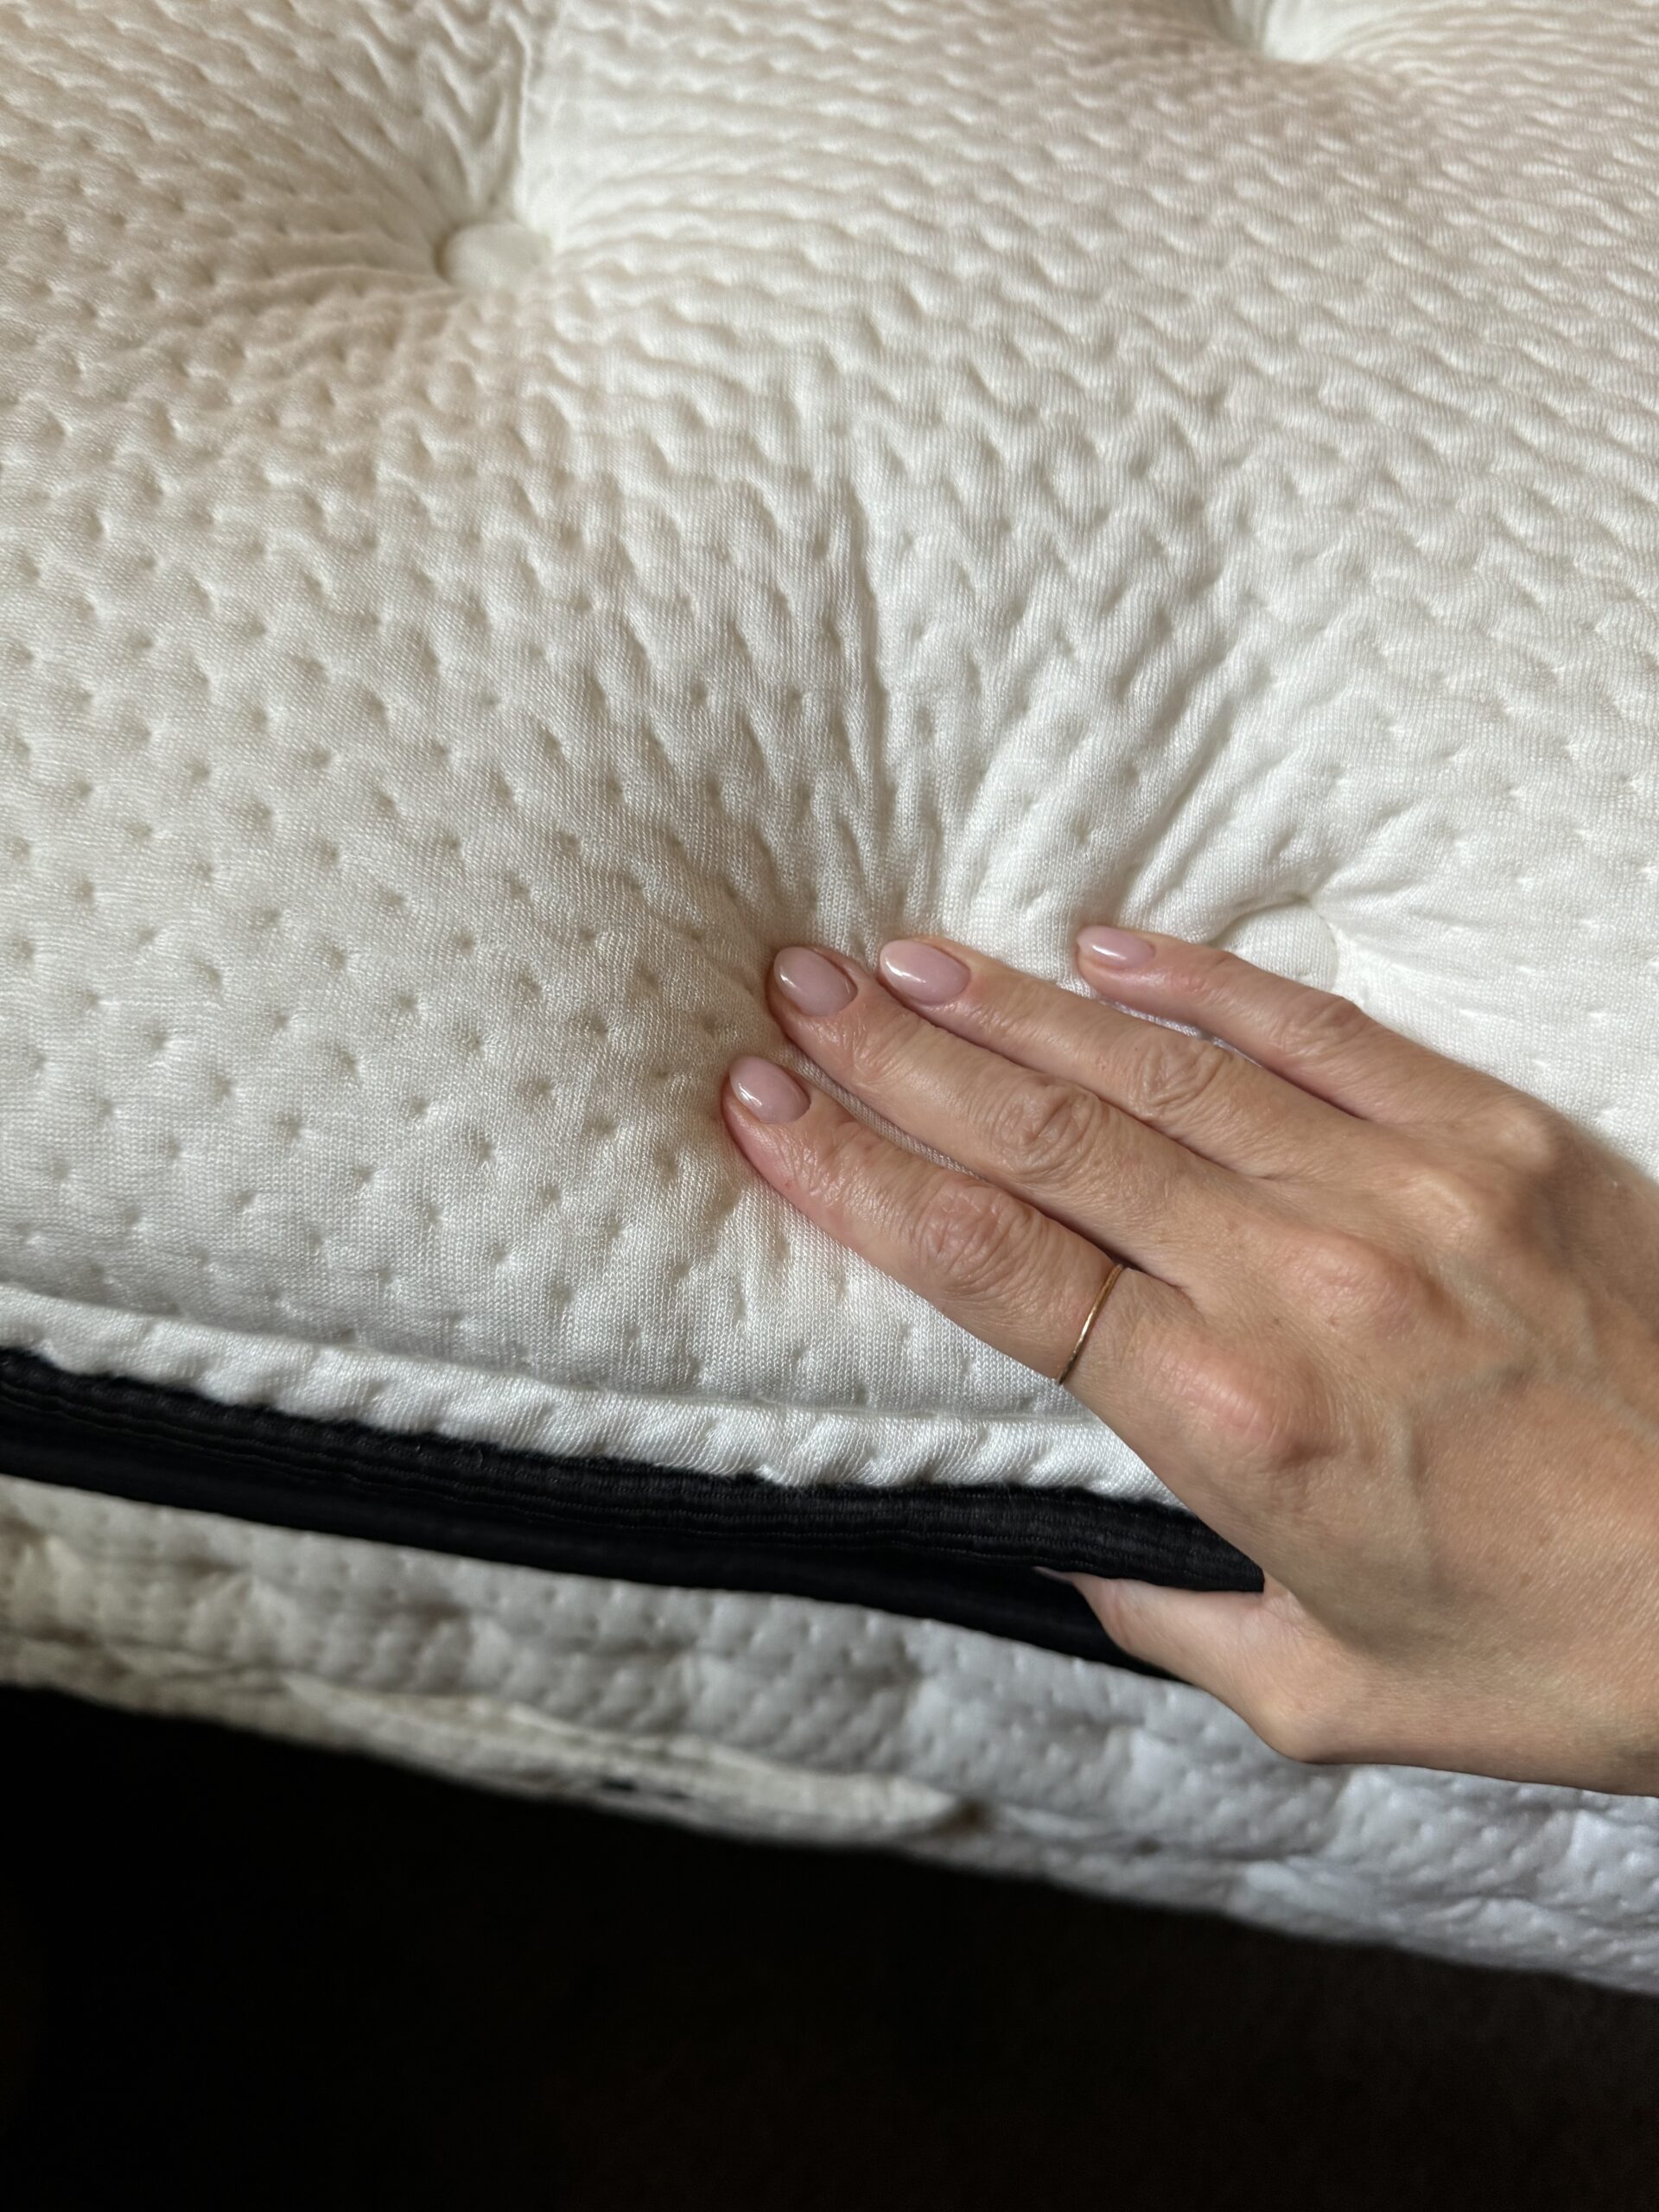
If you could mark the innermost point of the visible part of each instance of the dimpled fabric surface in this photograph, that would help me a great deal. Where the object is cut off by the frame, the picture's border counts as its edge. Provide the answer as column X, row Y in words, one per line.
column 782, row 1718
column 940, row 463
column 511, row 509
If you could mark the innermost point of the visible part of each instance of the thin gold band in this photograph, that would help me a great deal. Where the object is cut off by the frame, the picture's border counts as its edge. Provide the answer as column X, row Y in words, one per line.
column 1093, row 1315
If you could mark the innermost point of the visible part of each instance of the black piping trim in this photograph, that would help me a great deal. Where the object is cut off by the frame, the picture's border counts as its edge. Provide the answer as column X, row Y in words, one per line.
column 962, row 1555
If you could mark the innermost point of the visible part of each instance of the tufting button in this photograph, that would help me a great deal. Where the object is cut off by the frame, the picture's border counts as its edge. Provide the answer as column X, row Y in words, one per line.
column 496, row 255
column 1292, row 939
column 1296, row 30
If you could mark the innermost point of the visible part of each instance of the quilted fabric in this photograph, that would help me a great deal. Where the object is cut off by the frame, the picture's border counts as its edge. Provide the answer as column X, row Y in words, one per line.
column 959, row 463
column 778, row 1717
column 510, row 509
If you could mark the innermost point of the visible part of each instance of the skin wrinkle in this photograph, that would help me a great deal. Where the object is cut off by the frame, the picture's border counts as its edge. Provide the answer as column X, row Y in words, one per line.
column 1418, row 1383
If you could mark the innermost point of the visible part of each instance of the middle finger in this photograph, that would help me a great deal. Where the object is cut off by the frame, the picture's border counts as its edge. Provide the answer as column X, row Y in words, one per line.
column 1142, row 1195
column 1215, row 1101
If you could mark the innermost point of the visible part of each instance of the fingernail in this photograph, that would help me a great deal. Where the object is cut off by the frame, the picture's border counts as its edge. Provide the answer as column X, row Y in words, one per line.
column 770, row 1092
column 810, row 981
column 1057, row 1574
column 1115, row 948
column 922, row 972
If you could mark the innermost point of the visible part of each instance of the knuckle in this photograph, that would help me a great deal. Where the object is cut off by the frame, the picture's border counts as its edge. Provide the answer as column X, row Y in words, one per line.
column 1044, row 1131
column 1175, row 1076
column 1258, row 1417
column 1210, row 968
column 1319, row 1026
column 1464, row 1207
column 1354, row 1278
column 1525, row 1136
column 975, row 1235
column 869, row 1052
column 836, row 1170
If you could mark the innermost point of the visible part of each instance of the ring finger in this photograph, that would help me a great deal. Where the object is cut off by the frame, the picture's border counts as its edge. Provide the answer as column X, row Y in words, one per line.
column 990, row 1262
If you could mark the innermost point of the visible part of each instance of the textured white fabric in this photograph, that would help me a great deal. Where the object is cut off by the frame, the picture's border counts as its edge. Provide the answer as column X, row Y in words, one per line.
column 510, row 509
column 776, row 1717
column 963, row 463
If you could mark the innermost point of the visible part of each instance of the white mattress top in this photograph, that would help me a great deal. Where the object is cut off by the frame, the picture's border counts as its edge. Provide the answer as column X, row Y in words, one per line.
column 510, row 511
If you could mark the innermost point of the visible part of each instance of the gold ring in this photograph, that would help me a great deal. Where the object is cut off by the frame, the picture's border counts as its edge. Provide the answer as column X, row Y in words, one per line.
column 1090, row 1318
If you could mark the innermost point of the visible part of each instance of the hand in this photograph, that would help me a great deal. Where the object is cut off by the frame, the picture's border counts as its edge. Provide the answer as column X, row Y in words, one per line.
column 1386, row 1324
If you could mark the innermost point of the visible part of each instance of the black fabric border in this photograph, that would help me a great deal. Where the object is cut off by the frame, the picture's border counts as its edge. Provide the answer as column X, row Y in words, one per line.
column 961, row 1554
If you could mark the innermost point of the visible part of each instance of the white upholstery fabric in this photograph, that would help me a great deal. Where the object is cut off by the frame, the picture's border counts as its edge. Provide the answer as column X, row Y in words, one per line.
column 958, row 463
column 510, row 509
column 772, row 1716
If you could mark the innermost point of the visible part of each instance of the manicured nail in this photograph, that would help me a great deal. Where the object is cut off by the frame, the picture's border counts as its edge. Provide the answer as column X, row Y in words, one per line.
column 1115, row 948
column 770, row 1092
column 810, row 981
column 922, row 972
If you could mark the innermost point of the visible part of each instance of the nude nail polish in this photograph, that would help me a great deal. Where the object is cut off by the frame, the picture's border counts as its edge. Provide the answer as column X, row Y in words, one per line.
column 922, row 972
column 810, row 981
column 1115, row 948
column 770, row 1092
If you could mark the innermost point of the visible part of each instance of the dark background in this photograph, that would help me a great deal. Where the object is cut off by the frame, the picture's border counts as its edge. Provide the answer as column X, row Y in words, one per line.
column 237, row 1974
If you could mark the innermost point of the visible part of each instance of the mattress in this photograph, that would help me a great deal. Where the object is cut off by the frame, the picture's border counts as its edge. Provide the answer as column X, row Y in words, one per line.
column 510, row 511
